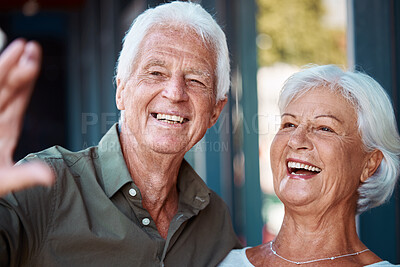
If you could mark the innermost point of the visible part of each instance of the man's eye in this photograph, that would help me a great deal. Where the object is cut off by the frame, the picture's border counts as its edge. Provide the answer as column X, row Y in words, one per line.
column 156, row 73
column 197, row 82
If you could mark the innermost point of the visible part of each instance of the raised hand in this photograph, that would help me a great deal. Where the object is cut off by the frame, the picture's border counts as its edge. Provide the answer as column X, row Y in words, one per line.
column 19, row 68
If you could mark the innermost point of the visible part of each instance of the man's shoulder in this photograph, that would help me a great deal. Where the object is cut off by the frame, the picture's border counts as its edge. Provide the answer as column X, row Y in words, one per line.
column 68, row 166
column 215, row 199
column 59, row 154
column 194, row 186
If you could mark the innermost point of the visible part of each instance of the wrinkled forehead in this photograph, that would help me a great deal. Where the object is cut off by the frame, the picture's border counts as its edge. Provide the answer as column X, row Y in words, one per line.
column 330, row 91
column 179, row 32
column 322, row 101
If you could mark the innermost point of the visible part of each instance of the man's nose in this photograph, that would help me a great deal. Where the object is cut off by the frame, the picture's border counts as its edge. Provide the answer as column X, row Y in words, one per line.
column 299, row 138
column 175, row 89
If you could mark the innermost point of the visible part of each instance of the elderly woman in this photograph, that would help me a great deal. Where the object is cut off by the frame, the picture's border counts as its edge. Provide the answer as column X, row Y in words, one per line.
column 335, row 156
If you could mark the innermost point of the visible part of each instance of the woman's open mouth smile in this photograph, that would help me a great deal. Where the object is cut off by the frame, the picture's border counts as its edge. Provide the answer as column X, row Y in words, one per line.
column 301, row 170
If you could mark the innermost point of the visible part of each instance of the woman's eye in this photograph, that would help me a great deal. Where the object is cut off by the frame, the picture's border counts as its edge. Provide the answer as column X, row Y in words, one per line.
column 326, row 129
column 287, row 125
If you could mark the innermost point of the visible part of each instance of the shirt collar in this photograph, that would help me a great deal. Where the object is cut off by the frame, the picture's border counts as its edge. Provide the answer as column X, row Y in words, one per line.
column 193, row 191
column 114, row 171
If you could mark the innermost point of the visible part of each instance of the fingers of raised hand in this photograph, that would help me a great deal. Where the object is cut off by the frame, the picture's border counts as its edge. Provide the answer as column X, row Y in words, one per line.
column 24, row 175
column 27, row 68
column 19, row 68
column 10, row 57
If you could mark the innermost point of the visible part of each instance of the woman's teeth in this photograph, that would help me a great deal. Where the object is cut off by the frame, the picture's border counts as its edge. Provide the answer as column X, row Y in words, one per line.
column 297, row 165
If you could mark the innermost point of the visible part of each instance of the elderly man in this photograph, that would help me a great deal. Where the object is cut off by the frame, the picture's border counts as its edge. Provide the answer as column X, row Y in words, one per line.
column 132, row 200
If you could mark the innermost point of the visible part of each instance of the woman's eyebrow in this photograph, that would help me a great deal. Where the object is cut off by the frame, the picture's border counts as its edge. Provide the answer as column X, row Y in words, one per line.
column 287, row 114
column 328, row 116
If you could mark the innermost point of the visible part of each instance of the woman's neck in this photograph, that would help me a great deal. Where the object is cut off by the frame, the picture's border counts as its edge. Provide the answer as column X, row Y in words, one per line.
column 310, row 235
column 315, row 234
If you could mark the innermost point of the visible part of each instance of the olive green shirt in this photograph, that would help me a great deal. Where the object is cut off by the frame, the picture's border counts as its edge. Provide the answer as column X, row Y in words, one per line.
column 93, row 216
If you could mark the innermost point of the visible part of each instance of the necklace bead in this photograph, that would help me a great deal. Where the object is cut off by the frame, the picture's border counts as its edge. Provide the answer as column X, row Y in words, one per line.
column 311, row 261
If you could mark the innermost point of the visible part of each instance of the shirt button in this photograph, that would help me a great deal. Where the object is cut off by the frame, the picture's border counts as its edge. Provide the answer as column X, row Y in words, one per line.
column 146, row 221
column 132, row 192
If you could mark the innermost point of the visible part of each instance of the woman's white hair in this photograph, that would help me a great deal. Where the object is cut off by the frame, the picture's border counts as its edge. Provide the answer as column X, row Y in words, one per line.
column 182, row 14
column 376, row 122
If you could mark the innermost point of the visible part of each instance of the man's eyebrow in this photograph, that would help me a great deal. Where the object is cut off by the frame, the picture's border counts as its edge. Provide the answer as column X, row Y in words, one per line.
column 155, row 62
column 199, row 72
column 328, row 116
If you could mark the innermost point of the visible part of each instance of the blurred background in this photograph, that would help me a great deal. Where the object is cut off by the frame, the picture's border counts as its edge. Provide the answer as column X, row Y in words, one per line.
column 73, row 104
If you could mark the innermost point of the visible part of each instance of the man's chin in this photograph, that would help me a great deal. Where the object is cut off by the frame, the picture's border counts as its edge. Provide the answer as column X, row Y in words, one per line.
column 169, row 148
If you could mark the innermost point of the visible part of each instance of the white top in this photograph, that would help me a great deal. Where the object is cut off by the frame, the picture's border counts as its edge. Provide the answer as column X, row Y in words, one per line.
column 237, row 257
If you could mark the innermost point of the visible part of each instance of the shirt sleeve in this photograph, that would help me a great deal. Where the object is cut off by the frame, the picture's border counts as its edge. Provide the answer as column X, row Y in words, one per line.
column 24, row 222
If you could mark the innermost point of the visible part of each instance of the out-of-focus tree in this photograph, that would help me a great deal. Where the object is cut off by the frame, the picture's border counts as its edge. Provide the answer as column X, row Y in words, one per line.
column 293, row 31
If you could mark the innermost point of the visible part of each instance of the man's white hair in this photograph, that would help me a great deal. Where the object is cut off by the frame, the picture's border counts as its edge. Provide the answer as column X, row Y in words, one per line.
column 182, row 14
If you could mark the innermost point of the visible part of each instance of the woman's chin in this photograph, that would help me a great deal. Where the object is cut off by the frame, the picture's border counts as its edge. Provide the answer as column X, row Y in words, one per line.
column 297, row 192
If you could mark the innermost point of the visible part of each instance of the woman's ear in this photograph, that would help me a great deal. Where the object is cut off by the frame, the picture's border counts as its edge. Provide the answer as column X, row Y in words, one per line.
column 119, row 96
column 373, row 162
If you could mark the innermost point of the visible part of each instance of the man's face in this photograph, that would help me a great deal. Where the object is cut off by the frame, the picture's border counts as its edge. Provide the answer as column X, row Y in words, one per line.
column 169, row 99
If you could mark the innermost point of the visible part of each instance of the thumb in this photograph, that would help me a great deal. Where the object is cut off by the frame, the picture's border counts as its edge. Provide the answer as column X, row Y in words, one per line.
column 25, row 175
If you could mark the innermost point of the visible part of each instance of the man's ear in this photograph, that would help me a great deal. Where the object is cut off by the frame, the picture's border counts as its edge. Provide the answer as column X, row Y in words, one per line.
column 219, row 106
column 373, row 162
column 119, row 96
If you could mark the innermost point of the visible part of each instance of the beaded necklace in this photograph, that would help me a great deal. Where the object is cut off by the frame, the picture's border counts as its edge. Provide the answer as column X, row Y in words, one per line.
column 310, row 261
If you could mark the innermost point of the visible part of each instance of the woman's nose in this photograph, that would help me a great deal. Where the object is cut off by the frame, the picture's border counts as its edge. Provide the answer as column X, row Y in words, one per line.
column 299, row 138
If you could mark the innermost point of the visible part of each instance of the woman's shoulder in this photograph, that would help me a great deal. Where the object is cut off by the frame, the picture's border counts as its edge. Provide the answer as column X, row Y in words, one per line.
column 381, row 264
column 237, row 257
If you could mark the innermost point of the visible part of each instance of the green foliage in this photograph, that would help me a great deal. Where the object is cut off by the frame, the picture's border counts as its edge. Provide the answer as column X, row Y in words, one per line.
column 291, row 31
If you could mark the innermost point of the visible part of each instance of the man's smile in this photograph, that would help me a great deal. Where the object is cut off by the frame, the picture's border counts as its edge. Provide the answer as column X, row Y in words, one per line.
column 169, row 118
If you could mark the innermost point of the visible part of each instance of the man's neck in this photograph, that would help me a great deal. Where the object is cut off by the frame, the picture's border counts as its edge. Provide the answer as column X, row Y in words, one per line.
column 156, row 177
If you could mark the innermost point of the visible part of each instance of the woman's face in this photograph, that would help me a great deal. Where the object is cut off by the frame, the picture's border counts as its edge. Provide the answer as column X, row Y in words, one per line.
column 317, row 157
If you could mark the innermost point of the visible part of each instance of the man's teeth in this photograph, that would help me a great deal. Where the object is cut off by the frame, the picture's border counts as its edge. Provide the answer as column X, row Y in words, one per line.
column 298, row 165
column 172, row 119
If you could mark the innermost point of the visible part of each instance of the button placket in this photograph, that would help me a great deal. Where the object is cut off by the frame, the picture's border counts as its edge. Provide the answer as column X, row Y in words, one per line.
column 132, row 192
column 145, row 221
